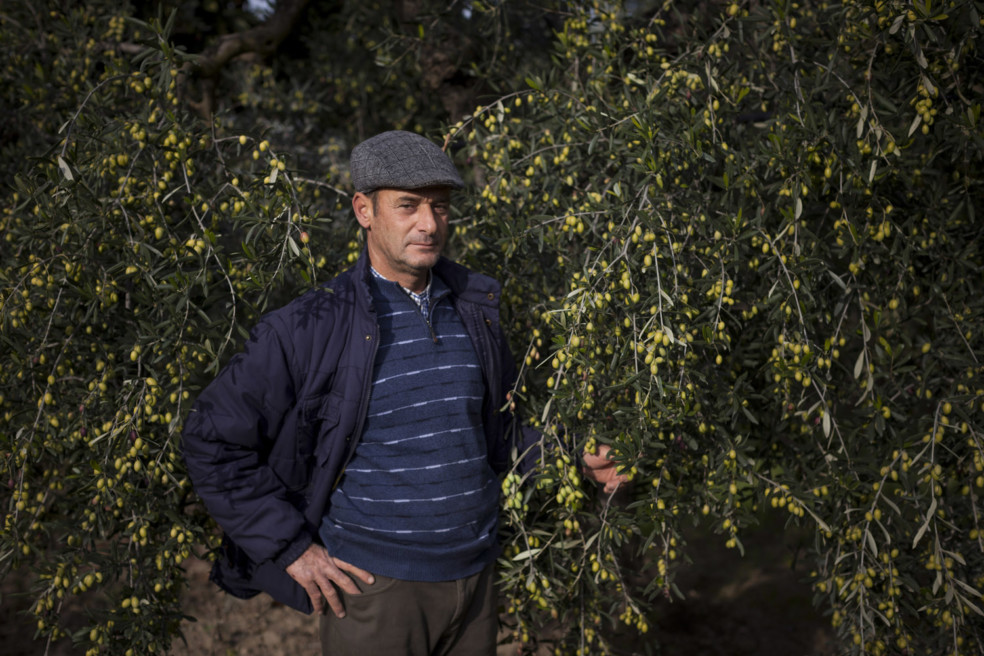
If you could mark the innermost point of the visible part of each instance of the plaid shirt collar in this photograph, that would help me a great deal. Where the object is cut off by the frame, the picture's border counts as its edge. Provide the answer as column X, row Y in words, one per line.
column 422, row 299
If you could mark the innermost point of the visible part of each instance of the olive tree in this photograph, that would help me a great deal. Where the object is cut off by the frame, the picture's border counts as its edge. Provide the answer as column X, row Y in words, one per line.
column 742, row 249
column 739, row 242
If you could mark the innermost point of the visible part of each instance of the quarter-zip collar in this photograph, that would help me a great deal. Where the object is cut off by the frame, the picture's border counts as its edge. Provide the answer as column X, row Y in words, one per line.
column 422, row 299
column 424, row 302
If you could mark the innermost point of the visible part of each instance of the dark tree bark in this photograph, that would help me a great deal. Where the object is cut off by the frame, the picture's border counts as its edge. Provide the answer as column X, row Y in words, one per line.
column 261, row 40
column 444, row 58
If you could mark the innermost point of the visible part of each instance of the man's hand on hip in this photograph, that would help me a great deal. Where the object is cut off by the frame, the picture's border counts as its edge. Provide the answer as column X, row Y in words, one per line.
column 319, row 574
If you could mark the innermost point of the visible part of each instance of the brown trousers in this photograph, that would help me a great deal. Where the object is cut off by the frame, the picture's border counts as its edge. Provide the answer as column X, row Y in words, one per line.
column 415, row 618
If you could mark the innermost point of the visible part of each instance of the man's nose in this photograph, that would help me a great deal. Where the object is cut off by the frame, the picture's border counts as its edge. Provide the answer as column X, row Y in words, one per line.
column 426, row 219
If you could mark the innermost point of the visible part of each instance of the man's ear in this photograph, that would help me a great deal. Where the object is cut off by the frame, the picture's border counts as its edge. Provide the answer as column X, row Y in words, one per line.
column 362, row 205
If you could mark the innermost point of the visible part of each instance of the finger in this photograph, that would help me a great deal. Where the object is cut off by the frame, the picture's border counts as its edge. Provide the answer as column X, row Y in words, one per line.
column 601, row 458
column 356, row 571
column 317, row 600
column 328, row 576
column 335, row 600
column 327, row 592
column 595, row 462
column 608, row 475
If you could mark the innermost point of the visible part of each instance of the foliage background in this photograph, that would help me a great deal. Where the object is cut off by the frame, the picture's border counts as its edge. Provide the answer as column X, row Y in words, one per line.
column 740, row 244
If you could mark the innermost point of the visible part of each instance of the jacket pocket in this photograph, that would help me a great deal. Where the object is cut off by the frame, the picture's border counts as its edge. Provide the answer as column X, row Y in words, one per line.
column 295, row 462
column 322, row 420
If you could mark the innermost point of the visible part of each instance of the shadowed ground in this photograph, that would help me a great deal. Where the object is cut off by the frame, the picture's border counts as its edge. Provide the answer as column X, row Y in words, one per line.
column 734, row 606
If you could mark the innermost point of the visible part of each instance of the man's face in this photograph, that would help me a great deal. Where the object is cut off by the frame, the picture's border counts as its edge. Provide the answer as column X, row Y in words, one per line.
column 406, row 231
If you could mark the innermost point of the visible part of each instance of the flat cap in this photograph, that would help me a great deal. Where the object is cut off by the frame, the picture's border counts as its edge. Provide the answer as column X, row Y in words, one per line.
column 401, row 160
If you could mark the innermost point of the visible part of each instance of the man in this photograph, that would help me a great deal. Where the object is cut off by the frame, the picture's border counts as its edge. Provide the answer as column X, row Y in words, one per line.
column 350, row 453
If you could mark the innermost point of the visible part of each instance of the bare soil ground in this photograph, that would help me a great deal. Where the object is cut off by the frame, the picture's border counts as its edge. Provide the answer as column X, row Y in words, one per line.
column 733, row 606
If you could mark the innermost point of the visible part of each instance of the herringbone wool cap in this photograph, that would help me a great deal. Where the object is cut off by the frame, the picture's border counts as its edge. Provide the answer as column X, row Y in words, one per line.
column 401, row 160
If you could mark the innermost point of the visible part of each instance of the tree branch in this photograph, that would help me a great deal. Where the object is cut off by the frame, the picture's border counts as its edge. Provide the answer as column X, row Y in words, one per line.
column 262, row 40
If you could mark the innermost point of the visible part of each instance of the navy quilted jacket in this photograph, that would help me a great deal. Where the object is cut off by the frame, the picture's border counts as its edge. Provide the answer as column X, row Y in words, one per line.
column 267, row 440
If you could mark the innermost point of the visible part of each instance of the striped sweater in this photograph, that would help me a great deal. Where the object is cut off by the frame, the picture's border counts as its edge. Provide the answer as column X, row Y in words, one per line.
column 418, row 501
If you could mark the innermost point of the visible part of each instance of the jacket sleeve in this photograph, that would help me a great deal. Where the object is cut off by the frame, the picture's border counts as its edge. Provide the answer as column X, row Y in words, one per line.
column 227, row 439
column 525, row 439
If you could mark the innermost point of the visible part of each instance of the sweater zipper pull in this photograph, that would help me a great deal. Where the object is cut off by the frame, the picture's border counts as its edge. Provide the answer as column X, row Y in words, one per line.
column 431, row 329
column 426, row 315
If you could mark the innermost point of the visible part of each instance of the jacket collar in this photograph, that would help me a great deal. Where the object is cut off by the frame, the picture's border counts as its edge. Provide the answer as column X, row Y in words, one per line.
column 468, row 285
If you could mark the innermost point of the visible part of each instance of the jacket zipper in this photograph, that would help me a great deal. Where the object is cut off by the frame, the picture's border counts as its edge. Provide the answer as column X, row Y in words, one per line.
column 363, row 409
